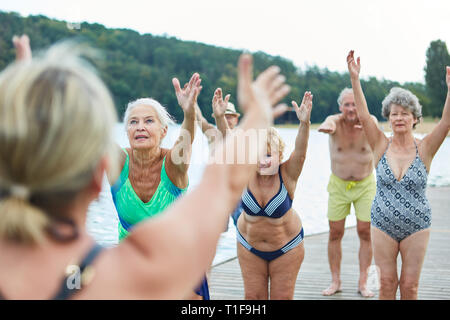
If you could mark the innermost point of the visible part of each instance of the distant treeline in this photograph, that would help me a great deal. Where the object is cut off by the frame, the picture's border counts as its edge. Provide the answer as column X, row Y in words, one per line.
column 138, row 65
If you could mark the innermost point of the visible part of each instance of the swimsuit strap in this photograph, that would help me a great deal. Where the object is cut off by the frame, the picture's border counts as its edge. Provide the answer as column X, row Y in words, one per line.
column 64, row 292
column 389, row 143
column 279, row 173
column 248, row 191
column 417, row 149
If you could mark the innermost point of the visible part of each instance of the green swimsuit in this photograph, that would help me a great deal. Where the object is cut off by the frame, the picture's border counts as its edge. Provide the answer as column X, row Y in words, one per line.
column 131, row 209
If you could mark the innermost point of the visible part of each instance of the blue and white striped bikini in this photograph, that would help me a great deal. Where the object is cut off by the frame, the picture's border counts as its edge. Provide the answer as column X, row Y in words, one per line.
column 275, row 208
column 400, row 208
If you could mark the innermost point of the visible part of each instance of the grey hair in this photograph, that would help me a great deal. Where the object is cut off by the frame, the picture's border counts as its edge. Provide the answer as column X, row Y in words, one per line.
column 404, row 98
column 342, row 94
column 164, row 117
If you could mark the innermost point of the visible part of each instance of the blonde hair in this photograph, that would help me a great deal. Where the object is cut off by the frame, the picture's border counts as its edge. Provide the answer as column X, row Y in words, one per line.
column 275, row 142
column 56, row 124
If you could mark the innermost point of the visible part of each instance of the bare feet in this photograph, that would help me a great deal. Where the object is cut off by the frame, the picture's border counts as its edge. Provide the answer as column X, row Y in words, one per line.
column 365, row 293
column 332, row 289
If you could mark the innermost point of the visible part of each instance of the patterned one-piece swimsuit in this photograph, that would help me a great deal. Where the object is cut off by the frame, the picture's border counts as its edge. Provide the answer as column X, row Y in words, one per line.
column 400, row 208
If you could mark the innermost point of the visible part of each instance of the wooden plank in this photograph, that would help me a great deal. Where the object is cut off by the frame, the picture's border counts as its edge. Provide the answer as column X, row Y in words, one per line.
column 225, row 279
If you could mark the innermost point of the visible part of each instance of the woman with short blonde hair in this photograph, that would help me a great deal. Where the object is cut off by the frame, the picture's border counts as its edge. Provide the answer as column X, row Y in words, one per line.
column 269, row 230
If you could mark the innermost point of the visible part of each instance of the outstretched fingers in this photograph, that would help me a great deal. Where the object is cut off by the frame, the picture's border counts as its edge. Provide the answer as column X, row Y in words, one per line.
column 245, row 74
column 274, row 83
column 194, row 80
column 353, row 66
column 295, row 105
column 265, row 92
column 350, row 56
column 218, row 95
column 307, row 100
column 176, row 86
column 23, row 49
column 304, row 111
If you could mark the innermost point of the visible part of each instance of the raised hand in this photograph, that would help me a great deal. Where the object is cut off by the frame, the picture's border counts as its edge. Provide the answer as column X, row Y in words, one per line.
column 187, row 97
column 354, row 67
column 304, row 111
column 219, row 105
column 281, row 109
column 262, row 94
column 326, row 128
column 358, row 125
column 23, row 49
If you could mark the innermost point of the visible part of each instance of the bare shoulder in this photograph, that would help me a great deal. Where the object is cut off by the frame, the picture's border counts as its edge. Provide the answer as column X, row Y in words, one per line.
column 122, row 272
column 420, row 145
column 374, row 119
column 165, row 152
column 176, row 173
column 289, row 182
column 334, row 118
column 113, row 175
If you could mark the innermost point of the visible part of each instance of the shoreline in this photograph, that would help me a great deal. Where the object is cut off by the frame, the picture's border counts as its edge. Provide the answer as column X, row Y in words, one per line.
column 424, row 127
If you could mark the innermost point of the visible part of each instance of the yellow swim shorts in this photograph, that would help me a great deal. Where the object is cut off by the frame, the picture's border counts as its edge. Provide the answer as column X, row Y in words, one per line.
column 343, row 193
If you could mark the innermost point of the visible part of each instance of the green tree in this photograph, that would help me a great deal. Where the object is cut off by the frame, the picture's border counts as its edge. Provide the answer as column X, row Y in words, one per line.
column 437, row 58
column 135, row 66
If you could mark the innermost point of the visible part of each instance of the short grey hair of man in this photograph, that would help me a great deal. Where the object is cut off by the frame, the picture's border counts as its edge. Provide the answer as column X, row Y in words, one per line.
column 344, row 92
column 164, row 117
column 404, row 98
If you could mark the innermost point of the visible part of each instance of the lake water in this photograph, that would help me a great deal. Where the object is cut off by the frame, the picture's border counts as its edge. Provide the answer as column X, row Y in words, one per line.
column 310, row 199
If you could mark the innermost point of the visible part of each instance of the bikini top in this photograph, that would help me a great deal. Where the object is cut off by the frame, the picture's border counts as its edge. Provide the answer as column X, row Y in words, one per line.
column 275, row 208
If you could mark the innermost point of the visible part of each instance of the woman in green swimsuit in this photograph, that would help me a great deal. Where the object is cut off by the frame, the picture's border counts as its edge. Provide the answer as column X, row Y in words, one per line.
column 153, row 177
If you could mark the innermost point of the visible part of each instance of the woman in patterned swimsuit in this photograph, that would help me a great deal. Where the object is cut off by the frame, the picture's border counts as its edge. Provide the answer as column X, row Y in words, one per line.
column 401, row 214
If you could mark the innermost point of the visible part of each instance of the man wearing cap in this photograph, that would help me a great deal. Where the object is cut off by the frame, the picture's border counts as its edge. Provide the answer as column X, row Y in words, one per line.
column 224, row 112
column 351, row 181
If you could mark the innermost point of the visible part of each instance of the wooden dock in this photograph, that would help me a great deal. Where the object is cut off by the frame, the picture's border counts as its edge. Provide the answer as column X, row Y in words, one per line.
column 225, row 279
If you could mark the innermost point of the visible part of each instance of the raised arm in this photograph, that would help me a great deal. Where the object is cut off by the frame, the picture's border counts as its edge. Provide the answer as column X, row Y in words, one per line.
column 23, row 49
column 434, row 139
column 375, row 136
column 281, row 109
column 329, row 125
column 176, row 248
column 219, row 106
column 180, row 154
column 202, row 122
column 295, row 162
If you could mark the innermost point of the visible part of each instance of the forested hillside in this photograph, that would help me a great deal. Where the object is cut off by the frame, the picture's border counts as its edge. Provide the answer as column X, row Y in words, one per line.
column 136, row 65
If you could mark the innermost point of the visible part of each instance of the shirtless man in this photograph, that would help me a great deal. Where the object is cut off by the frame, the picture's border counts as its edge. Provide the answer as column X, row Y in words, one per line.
column 351, row 181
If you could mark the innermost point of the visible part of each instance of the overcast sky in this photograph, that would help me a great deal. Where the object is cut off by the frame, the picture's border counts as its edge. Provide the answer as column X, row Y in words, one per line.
column 391, row 36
